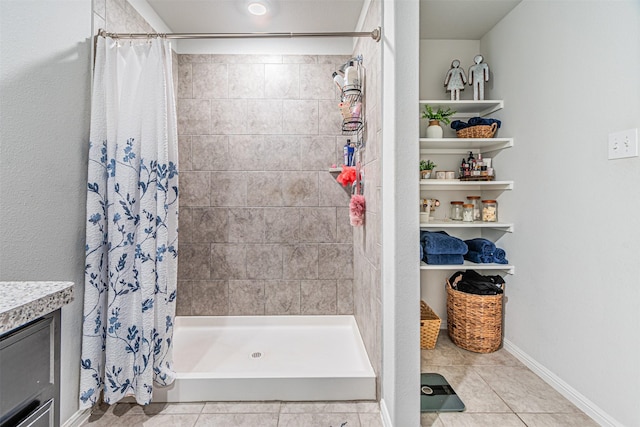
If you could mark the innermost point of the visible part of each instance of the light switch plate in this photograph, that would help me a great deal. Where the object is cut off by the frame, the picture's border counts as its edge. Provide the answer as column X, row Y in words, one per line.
column 623, row 144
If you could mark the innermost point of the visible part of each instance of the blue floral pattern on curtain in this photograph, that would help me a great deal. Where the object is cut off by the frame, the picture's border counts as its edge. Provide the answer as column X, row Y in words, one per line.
column 132, row 219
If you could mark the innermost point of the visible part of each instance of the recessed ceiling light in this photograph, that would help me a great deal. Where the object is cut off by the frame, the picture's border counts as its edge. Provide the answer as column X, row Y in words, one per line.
column 256, row 8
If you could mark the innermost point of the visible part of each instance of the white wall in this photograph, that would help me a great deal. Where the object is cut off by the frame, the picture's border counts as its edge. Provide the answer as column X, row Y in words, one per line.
column 568, row 72
column 400, row 293
column 44, row 102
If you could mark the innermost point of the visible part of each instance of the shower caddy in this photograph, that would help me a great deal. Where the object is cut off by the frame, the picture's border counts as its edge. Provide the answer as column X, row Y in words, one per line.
column 354, row 124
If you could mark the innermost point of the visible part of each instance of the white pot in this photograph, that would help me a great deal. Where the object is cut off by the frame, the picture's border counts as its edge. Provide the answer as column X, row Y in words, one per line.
column 434, row 130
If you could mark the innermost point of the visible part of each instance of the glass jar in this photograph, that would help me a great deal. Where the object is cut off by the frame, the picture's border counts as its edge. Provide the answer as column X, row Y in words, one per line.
column 489, row 210
column 467, row 212
column 475, row 201
column 456, row 210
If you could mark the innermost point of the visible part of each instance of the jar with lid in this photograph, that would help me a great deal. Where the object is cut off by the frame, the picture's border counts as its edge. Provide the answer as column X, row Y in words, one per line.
column 456, row 210
column 490, row 210
column 475, row 201
column 467, row 212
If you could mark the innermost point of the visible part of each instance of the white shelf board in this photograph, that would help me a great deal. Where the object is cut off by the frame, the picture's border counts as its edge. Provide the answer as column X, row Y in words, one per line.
column 335, row 170
column 468, row 265
column 447, row 223
column 456, row 184
column 465, row 108
column 463, row 145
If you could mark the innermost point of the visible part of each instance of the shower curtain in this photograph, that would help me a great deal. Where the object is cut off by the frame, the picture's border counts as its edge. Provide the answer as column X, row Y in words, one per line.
column 132, row 224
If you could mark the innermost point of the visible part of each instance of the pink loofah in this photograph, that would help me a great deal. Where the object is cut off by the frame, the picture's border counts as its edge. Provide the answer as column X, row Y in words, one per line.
column 356, row 210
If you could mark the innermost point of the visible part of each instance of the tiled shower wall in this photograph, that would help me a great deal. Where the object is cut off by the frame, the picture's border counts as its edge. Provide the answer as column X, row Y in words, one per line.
column 264, row 227
column 367, row 284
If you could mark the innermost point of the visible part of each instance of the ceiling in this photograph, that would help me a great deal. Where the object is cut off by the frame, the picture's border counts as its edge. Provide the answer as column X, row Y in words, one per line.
column 439, row 19
column 461, row 19
column 231, row 16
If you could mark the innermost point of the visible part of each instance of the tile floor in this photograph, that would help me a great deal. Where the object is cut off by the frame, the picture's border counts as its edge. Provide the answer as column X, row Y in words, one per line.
column 497, row 389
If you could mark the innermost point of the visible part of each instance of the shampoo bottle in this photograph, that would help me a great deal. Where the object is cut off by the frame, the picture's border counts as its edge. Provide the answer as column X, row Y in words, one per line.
column 351, row 77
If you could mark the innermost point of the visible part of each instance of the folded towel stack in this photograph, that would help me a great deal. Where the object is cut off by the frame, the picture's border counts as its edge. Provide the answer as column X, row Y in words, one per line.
column 483, row 251
column 440, row 248
column 474, row 121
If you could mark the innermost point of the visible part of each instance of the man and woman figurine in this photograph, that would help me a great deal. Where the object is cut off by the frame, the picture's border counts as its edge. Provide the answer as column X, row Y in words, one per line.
column 478, row 74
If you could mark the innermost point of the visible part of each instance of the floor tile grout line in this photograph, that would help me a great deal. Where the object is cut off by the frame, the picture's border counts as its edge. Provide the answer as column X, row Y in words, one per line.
column 494, row 390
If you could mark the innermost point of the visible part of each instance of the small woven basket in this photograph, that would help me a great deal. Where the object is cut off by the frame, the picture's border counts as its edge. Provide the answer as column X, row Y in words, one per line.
column 429, row 327
column 474, row 322
column 478, row 131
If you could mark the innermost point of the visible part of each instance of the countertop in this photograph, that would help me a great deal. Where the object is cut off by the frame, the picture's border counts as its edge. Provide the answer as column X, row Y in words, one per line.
column 22, row 302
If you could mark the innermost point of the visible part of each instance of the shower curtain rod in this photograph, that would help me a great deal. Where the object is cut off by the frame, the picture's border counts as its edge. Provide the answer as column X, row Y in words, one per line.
column 375, row 34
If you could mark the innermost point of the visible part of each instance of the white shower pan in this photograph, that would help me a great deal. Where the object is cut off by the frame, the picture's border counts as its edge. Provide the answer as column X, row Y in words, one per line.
column 257, row 358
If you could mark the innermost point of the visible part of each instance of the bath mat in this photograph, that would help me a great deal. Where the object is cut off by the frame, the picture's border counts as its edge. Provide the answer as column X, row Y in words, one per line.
column 436, row 395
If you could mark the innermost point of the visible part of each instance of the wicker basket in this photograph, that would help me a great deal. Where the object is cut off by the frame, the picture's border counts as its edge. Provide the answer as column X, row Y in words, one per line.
column 478, row 131
column 429, row 326
column 474, row 322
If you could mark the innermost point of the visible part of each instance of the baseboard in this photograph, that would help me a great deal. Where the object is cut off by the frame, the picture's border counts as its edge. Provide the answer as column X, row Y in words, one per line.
column 575, row 397
column 77, row 419
column 384, row 414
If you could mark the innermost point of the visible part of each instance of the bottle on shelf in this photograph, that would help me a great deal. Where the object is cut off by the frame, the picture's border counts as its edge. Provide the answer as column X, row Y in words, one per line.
column 351, row 77
column 456, row 210
column 338, row 79
column 345, row 152
column 489, row 210
column 475, row 202
column 467, row 212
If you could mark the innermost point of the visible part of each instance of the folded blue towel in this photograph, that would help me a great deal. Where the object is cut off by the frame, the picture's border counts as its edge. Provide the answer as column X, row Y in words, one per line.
column 474, row 121
column 483, row 246
column 478, row 258
column 421, row 252
column 499, row 256
column 440, row 243
column 444, row 259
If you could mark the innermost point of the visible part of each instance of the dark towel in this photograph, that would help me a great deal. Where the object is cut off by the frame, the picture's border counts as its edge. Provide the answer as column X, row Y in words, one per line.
column 484, row 247
column 478, row 258
column 421, row 252
column 474, row 121
column 440, row 243
column 444, row 259
column 499, row 256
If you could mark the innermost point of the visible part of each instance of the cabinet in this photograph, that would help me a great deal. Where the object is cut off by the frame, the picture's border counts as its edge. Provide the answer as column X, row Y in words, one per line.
column 29, row 373
column 447, row 152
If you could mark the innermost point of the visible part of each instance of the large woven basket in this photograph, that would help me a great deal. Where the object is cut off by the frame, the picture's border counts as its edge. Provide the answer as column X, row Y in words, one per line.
column 429, row 326
column 478, row 131
column 474, row 322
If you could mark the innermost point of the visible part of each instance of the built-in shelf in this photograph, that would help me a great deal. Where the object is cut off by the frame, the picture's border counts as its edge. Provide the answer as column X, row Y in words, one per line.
column 507, row 268
column 447, row 223
column 465, row 108
column 456, row 184
column 463, row 145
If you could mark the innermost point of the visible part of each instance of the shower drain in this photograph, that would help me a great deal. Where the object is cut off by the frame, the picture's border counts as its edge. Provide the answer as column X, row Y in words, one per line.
column 256, row 355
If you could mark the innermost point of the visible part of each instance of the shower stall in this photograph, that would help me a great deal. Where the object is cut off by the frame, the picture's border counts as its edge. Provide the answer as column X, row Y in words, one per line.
column 265, row 279
column 278, row 296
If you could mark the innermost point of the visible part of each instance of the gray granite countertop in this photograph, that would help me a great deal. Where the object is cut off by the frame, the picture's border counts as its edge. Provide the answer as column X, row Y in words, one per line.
column 22, row 302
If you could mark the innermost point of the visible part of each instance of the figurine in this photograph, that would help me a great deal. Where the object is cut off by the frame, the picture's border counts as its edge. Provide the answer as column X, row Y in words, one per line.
column 455, row 80
column 478, row 74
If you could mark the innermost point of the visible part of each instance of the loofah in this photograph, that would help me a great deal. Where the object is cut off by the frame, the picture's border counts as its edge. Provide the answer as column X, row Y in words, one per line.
column 356, row 210
column 347, row 176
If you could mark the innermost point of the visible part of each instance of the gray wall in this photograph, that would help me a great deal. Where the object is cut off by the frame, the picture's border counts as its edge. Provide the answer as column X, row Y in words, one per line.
column 264, row 227
column 572, row 306
column 44, row 124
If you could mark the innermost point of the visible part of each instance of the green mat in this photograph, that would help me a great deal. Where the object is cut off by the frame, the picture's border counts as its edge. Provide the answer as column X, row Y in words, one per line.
column 436, row 395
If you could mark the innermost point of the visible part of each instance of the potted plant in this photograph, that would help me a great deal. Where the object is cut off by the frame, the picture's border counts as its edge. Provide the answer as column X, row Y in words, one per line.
column 426, row 166
column 435, row 117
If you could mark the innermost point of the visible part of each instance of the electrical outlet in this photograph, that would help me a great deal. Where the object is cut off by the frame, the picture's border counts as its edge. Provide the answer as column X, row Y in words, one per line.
column 623, row 144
